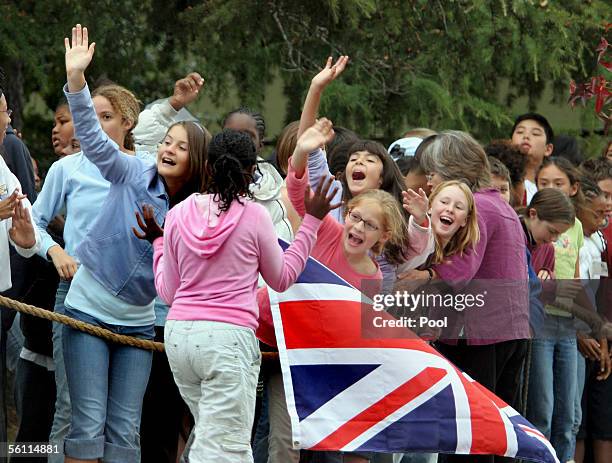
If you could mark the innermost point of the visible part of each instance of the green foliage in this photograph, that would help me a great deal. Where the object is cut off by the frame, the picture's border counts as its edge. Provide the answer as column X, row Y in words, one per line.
column 432, row 63
column 413, row 62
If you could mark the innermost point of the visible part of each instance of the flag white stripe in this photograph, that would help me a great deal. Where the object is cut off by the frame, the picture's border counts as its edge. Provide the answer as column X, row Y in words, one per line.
column 353, row 400
column 286, row 372
column 462, row 409
column 321, row 292
column 511, row 439
column 362, row 395
column 397, row 415
column 536, row 435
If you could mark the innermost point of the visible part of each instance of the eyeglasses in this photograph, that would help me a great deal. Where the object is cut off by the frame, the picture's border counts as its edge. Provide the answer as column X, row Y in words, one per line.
column 8, row 112
column 356, row 218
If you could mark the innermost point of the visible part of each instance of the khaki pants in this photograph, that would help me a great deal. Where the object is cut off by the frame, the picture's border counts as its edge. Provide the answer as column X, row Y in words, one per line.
column 280, row 448
column 215, row 366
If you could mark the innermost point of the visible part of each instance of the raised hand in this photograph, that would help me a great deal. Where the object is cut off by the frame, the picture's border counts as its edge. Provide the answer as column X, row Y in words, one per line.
column 316, row 136
column 329, row 72
column 416, row 204
column 148, row 225
column 186, row 90
column 22, row 231
column 79, row 54
column 8, row 204
column 319, row 203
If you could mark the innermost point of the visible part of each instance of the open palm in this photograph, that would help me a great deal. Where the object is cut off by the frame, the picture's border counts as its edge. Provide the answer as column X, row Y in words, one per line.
column 79, row 52
column 329, row 72
column 316, row 136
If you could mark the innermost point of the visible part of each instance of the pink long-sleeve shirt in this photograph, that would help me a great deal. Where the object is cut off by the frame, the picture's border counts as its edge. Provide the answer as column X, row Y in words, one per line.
column 207, row 264
column 329, row 250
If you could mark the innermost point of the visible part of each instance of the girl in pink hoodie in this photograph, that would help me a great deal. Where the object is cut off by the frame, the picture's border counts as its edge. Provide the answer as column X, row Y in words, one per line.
column 206, row 268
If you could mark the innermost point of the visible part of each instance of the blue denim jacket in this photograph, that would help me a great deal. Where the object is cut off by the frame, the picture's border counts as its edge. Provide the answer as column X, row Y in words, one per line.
column 122, row 263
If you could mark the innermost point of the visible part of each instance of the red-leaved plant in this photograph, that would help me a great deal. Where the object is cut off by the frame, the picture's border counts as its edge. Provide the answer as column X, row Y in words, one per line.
column 597, row 87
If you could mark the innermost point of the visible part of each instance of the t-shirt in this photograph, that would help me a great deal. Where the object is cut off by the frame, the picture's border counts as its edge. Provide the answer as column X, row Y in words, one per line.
column 567, row 252
column 530, row 190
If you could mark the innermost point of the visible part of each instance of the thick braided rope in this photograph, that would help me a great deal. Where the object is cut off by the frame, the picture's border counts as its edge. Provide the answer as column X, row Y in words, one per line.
column 82, row 326
column 96, row 330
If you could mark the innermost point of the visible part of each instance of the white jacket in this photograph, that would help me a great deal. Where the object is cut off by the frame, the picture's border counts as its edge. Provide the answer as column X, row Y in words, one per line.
column 266, row 191
column 152, row 126
column 8, row 184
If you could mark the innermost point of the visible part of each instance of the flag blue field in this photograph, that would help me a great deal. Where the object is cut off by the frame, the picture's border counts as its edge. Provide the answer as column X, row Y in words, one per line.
column 349, row 392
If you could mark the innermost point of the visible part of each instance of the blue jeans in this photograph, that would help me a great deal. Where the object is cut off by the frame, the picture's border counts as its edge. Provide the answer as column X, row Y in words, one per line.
column 107, row 383
column 552, row 384
column 14, row 343
column 61, row 418
column 580, row 380
column 262, row 429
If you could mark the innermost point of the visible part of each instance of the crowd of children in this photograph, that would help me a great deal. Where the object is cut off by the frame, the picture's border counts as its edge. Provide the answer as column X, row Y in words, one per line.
column 149, row 226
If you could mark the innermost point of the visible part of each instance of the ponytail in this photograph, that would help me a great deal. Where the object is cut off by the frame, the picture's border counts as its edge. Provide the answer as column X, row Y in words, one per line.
column 231, row 159
column 551, row 205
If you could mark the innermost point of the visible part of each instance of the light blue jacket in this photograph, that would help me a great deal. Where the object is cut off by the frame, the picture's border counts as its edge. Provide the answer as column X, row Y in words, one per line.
column 120, row 262
column 75, row 187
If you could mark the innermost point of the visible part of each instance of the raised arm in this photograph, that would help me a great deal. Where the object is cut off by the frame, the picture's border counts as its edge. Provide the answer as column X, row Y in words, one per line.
column 154, row 121
column 311, row 140
column 79, row 54
column 317, row 86
column 280, row 269
column 115, row 166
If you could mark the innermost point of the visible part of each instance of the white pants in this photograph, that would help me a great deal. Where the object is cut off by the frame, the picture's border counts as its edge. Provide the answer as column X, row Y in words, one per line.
column 215, row 366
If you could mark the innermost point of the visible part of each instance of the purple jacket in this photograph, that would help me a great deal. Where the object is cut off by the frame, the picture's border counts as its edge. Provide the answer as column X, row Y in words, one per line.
column 499, row 256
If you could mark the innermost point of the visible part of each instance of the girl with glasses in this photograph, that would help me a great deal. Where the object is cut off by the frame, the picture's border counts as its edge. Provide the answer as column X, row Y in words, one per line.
column 372, row 220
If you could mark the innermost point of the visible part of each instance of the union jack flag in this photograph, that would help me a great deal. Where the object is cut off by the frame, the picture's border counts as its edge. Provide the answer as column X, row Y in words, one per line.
column 352, row 393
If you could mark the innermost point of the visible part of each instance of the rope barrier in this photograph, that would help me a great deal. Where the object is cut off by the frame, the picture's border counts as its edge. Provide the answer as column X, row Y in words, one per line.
column 96, row 330
column 82, row 326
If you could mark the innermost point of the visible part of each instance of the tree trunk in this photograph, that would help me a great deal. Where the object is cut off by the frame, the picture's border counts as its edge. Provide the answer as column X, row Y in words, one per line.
column 14, row 91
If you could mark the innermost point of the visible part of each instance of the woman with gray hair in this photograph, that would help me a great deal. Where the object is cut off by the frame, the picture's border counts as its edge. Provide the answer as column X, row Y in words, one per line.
column 491, row 344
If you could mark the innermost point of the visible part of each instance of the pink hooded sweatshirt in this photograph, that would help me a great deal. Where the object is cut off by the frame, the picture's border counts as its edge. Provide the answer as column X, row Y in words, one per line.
column 207, row 264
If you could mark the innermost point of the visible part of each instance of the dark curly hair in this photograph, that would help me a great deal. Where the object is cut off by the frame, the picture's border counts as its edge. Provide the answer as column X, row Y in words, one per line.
column 597, row 169
column 231, row 158
column 260, row 123
column 511, row 157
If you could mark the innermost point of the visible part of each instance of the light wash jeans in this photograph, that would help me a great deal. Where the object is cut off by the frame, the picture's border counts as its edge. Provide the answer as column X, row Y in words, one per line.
column 216, row 366
column 580, row 382
column 14, row 343
column 61, row 418
column 552, row 384
column 107, row 383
